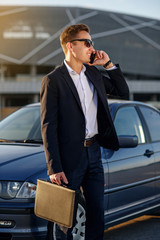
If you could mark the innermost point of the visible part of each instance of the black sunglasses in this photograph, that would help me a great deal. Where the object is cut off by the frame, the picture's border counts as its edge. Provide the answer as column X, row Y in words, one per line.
column 87, row 42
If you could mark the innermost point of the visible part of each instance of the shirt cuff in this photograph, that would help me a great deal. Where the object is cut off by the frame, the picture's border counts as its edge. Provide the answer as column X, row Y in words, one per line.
column 111, row 68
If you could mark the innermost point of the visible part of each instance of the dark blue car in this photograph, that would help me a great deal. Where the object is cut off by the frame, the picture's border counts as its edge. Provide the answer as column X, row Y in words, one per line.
column 132, row 174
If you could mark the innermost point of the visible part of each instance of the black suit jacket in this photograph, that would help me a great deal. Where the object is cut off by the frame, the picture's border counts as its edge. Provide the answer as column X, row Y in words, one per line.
column 62, row 118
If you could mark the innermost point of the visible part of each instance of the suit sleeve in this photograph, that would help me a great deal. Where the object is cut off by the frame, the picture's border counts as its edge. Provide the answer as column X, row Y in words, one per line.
column 116, row 85
column 49, row 122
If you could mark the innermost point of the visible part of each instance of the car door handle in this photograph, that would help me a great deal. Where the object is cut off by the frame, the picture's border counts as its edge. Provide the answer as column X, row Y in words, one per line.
column 148, row 153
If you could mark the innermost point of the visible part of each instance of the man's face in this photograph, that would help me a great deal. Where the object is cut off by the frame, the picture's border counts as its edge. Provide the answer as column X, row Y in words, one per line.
column 80, row 51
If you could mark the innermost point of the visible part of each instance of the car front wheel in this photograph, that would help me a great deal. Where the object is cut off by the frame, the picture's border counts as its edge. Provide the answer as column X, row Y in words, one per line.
column 78, row 231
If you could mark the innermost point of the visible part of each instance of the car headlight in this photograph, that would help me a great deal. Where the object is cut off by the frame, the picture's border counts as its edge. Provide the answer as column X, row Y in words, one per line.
column 13, row 188
column 28, row 190
column 10, row 190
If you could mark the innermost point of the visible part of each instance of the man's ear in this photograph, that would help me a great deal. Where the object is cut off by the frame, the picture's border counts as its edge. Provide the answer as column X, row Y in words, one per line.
column 69, row 46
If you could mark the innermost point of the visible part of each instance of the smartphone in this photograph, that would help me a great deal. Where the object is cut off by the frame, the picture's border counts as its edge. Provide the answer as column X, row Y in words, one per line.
column 92, row 57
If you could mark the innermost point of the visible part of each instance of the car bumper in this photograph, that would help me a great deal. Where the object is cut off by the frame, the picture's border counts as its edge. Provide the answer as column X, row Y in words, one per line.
column 22, row 226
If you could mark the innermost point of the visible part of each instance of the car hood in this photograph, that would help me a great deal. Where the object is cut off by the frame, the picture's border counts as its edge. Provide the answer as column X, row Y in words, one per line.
column 20, row 161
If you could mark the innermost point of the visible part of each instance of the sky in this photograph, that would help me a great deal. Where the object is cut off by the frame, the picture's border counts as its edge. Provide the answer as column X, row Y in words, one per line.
column 144, row 8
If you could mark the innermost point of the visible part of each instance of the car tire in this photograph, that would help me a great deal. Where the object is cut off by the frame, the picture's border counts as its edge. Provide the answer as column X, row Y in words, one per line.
column 79, row 228
column 54, row 232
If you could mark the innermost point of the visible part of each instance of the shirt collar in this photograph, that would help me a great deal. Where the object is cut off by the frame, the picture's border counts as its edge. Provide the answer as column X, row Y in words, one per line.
column 71, row 71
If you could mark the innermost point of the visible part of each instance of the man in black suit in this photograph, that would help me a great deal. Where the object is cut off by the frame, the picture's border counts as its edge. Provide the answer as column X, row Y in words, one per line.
column 75, row 121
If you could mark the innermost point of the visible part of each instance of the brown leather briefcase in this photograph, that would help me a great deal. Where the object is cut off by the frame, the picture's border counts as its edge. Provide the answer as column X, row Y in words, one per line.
column 54, row 203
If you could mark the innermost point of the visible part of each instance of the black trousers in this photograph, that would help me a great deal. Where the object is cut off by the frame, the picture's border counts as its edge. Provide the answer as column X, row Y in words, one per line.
column 90, row 175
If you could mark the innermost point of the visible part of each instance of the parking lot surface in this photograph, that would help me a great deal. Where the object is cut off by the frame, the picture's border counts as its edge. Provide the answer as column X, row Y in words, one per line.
column 142, row 228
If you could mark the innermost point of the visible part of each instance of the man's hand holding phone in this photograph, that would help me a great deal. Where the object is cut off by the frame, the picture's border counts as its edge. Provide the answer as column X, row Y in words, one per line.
column 100, row 58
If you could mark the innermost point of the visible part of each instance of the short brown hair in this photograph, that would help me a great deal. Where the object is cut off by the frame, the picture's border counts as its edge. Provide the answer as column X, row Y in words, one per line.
column 70, row 33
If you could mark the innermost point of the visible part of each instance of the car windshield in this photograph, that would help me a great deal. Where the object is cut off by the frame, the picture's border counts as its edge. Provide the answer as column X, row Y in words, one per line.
column 23, row 125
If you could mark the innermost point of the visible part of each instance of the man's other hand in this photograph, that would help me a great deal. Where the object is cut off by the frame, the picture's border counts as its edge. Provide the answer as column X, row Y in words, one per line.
column 58, row 178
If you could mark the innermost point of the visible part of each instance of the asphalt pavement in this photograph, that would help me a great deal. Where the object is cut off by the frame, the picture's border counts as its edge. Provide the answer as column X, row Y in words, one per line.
column 142, row 228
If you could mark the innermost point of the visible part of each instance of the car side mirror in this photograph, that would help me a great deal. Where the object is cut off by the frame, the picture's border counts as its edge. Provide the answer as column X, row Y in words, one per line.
column 128, row 141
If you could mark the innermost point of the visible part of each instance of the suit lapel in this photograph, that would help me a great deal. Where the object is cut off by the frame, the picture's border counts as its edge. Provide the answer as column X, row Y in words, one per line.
column 96, row 81
column 70, row 83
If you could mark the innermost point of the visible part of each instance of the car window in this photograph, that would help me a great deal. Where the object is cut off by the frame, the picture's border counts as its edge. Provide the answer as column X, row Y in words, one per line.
column 127, row 122
column 22, row 124
column 152, row 118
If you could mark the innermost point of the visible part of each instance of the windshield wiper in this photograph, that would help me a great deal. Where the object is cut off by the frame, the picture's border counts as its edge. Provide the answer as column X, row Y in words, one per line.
column 6, row 140
column 22, row 141
column 33, row 141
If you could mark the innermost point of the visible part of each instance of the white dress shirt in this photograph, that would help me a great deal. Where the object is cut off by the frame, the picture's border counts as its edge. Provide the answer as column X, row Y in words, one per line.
column 88, row 99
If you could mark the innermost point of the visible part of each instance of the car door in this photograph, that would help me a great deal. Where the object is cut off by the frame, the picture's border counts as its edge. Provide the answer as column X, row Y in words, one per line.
column 152, row 118
column 130, row 183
